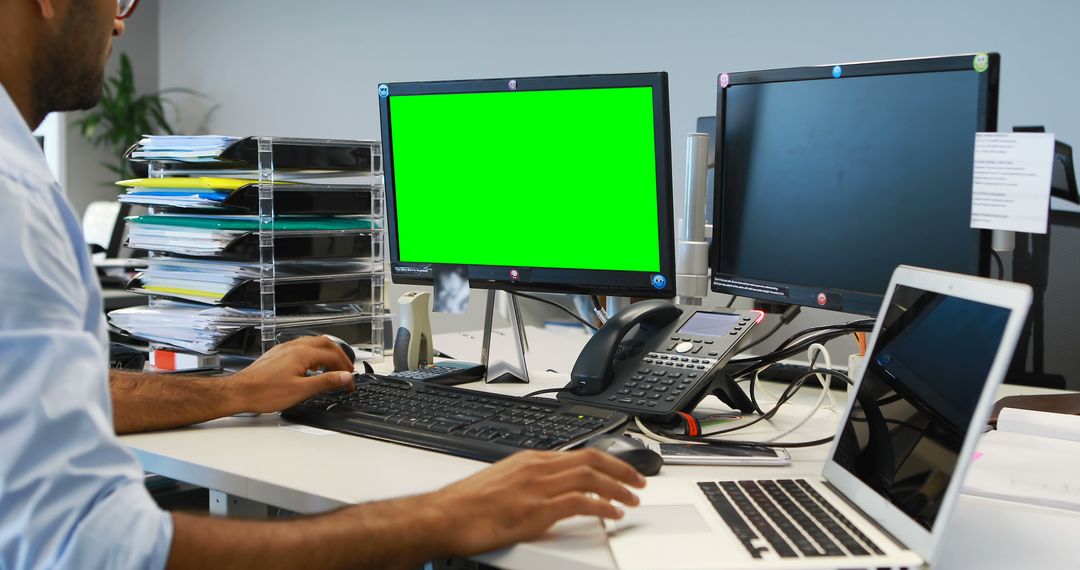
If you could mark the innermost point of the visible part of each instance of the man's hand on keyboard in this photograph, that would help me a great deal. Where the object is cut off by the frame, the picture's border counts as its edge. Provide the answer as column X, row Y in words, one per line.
column 277, row 379
column 520, row 497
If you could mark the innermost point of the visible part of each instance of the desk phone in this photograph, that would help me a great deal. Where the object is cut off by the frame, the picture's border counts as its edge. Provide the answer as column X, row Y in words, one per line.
column 656, row 358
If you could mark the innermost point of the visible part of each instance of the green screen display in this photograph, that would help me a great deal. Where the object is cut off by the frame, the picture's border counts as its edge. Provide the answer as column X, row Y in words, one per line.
column 547, row 179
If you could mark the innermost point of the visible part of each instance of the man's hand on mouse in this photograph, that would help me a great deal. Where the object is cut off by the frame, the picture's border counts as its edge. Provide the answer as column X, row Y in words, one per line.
column 277, row 379
column 520, row 497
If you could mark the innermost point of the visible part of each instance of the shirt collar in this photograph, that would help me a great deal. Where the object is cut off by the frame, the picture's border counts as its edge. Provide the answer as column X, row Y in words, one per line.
column 19, row 140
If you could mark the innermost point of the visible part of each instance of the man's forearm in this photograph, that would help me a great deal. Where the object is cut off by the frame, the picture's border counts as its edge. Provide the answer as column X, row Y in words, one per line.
column 401, row 533
column 146, row 402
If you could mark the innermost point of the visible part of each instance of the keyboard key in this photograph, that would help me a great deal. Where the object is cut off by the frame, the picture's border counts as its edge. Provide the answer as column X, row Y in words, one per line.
column 825, row 545
column 847, row 524
column 732, row 518
column 737, row 498
column 453, row 420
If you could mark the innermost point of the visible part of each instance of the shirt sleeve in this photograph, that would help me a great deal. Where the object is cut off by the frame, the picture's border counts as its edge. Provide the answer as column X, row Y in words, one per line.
column 70, row 495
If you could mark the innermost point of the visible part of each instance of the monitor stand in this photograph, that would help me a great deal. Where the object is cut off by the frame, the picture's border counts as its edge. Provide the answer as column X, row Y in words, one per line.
column 510, row 365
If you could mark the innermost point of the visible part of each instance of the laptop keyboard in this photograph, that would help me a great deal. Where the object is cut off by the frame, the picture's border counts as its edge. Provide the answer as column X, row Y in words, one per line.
column 788, row 515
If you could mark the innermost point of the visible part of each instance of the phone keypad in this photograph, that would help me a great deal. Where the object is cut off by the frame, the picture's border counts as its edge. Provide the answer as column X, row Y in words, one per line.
column 673, row 373
column 678, row 361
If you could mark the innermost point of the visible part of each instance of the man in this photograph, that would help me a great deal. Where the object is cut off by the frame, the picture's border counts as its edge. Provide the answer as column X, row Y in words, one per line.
column 70, row 495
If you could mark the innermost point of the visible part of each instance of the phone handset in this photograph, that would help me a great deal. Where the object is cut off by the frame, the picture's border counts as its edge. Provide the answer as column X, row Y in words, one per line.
column 594, row 369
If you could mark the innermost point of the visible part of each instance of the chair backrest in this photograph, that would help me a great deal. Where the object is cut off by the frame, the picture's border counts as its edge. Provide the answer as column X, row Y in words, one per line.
column 98, row 223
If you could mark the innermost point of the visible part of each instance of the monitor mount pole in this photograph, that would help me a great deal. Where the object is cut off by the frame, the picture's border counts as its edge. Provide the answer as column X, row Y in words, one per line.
column 692, row 251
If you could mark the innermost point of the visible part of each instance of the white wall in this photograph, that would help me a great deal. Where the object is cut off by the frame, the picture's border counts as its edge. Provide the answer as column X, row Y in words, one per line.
column 85, row 179
column 311, row 68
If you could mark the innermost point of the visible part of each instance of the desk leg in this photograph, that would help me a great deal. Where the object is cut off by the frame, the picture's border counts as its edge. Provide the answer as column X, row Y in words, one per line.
column 226, row 505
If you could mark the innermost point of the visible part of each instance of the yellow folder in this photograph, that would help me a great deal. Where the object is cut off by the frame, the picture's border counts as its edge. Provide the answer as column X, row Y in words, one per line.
column 201, row 183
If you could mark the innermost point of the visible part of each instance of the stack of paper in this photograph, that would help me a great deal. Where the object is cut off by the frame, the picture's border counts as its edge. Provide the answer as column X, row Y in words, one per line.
column 1033, row 458
column 200, row 192
column 209, row 235
column 203, row 148
column 201, row 329
column 207, row 281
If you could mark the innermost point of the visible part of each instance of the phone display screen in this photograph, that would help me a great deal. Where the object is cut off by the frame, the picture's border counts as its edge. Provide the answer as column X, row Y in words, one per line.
column 697, row 450
column 709, row 324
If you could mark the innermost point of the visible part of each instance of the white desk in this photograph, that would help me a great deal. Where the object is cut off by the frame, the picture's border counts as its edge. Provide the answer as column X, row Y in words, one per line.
column 246, row 460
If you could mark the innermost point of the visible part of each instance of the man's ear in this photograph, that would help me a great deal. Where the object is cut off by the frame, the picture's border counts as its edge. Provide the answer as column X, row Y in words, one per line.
column 48, row 11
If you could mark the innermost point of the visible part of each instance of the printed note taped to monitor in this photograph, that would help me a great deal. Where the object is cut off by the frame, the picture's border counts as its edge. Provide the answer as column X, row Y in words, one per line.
column 1011, row 184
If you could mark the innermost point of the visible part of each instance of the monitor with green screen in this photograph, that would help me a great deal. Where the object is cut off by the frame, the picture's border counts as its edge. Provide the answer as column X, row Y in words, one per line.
column 550, row 183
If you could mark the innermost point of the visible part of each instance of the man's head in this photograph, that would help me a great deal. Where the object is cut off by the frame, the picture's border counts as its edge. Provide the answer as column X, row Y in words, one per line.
column 69, row 45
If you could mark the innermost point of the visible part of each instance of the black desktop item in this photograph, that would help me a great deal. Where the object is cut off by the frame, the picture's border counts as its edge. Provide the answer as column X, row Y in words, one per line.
column 629, row 449
column 558, row 184
column 828, row 177
column 655, row 359
column 1031, row 264
column 452, row 420
column 1063, row 176
column 444, row 372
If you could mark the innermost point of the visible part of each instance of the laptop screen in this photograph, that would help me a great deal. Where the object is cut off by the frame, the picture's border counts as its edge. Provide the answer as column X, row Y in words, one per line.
column 918, row 395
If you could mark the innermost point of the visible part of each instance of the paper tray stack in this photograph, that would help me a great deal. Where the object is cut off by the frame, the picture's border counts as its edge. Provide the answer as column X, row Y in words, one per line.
column 252, row 240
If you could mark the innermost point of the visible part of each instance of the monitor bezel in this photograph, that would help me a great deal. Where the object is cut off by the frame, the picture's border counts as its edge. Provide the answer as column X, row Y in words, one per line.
column 523, row 278
column 811, row 295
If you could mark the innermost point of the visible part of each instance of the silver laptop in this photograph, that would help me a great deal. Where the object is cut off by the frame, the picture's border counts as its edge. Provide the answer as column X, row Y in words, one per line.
column 939, row 350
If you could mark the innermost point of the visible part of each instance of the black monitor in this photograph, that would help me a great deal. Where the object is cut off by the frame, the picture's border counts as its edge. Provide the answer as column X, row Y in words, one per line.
column 829, row 177
column 558, row 184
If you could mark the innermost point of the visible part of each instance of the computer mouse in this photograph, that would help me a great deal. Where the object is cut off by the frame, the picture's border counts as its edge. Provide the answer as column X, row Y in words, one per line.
column 646, row 461
column 345, row 347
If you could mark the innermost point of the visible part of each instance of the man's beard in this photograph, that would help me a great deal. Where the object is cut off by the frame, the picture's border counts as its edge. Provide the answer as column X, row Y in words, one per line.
column 69, row 70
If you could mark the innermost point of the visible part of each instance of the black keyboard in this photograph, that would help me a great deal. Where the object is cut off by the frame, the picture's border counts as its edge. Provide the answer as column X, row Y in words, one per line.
column 457, row 421
column 456, row 373
column 788, row 517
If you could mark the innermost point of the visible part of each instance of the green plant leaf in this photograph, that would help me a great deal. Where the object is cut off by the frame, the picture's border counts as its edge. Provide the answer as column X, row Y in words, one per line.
column 123, row 116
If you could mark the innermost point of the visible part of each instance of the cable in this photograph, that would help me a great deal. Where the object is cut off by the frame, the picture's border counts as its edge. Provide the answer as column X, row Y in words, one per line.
column 798, row 342
column 789, row 392
column 652, row 434
column 763, row 337
column 725, row 442
column 824, row 389
column 545, row 391
column 862, row 325
column 1000, row 265
column 554, row 304
column 786, row 317
column 598, row 310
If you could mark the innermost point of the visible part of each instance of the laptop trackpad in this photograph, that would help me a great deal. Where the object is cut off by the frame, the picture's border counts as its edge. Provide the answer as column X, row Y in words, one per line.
column 661, row 519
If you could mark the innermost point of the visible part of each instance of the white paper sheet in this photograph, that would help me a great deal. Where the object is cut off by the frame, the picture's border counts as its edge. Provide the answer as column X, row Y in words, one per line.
column 1033, row 458
column 1011, row 181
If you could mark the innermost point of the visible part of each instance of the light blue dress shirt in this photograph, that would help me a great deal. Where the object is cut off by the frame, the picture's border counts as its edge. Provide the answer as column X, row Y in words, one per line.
column 70, row 495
